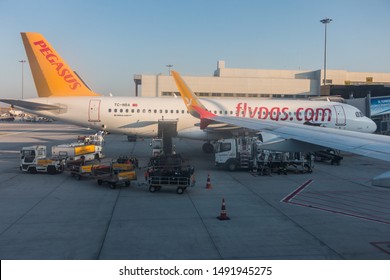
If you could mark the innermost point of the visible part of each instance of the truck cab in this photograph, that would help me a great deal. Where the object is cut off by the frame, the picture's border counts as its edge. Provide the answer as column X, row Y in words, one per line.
column 236, row 152
column 34, row 159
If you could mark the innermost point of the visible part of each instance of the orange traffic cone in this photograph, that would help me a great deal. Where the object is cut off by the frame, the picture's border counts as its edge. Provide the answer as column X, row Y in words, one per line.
column 223, row 216
column 208, row 184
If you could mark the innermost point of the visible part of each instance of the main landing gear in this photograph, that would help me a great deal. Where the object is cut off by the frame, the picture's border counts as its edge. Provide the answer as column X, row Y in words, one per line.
column 208, row 148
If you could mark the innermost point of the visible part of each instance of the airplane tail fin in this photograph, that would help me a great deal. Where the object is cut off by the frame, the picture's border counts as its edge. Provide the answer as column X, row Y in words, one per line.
column 52, row 75
column 193, row 104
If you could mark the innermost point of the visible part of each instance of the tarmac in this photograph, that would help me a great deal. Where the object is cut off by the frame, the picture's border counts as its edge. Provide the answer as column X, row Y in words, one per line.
column 333, row 213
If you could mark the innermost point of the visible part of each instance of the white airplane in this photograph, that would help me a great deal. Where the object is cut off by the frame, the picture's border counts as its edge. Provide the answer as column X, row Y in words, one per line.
column 296, row 134
column 64, row 96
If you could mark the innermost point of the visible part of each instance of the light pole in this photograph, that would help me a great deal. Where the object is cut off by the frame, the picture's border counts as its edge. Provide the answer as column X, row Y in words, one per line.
column 169, row 68
column 325, row 21
column 23, row 62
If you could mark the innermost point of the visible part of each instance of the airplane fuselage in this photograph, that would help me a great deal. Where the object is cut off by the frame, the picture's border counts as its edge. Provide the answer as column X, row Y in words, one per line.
column 139, row 116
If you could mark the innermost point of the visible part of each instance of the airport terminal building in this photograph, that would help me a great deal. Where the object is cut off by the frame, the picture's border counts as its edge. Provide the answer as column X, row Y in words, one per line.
column 370, row 87
column 258, row 83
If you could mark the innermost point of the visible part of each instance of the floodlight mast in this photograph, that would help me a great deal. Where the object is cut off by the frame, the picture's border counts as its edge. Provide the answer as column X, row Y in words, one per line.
column 325, row 21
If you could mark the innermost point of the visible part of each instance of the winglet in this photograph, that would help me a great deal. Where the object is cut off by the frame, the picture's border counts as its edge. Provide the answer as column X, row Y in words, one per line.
column 52, row 75
column 194, row 106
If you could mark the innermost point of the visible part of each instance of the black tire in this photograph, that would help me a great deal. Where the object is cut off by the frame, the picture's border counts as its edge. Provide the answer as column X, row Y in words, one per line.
column 180, row 190
column 32, row 170
column 100, row 182
column 152, row 188
column 113, row 185
column 51, row 170
column 127, row 183
column 208, row 148
column 232, row 165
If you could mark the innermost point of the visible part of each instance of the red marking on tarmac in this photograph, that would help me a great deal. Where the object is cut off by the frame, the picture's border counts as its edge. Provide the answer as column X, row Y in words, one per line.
column 288, row 198
column 369, row 205
column 383, row 246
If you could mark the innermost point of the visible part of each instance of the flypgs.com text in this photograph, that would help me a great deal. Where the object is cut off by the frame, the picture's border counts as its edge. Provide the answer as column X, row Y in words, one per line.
column 283, row 113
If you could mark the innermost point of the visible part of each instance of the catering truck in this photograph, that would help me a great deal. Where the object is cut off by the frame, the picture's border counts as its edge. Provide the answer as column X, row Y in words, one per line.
column 249, row 153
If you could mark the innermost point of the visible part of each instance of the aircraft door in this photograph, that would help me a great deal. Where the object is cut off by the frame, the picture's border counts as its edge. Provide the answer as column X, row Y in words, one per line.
column 94, row 110
column 340, row 115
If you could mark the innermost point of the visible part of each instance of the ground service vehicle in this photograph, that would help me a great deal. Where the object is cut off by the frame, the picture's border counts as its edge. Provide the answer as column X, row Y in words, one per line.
column 237, row 153
column 114, row 174
column 120, row 172
column 75, row 151
column 34, row 159
column 168, row 171
column 247, row 153
column 157, row 147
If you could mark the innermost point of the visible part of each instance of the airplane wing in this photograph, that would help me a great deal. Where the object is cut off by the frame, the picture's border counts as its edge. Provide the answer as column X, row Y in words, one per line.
column 28, row 105
column 370, row 145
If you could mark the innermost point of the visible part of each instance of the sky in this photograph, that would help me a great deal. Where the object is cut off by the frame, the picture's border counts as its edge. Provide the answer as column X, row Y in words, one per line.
column 107, row 42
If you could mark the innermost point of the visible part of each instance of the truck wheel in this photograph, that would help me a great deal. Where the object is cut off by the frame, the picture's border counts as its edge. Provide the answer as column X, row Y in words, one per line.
column 127, row 183
column 232, row 165
column 32, row 170
column 180, row 190
column 112, row 185
column 51, row 170
column 100, row 182
column 208, row 148
column 152, row 188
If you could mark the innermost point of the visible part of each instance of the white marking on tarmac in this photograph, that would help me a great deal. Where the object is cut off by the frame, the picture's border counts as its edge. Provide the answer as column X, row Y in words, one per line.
column 20, row 132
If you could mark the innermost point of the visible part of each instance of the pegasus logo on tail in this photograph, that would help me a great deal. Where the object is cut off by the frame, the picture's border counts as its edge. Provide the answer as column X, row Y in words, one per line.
column 58, row 64
column 52, row 75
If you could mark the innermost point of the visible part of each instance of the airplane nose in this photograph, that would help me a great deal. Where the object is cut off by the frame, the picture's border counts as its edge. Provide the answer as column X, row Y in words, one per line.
column 371, row 126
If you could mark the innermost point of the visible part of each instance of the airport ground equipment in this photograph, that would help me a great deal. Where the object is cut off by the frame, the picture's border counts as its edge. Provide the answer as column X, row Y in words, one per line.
column 169, row 171
column 77, row 151
column 328, row 155
column 121, row 171
column 284, row 162
column 34, row 159
column 114, row 178
column 157, row 147
column 247, row 153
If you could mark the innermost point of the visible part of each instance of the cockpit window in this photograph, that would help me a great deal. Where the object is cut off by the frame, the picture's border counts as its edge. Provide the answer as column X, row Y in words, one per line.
column 359, row 114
